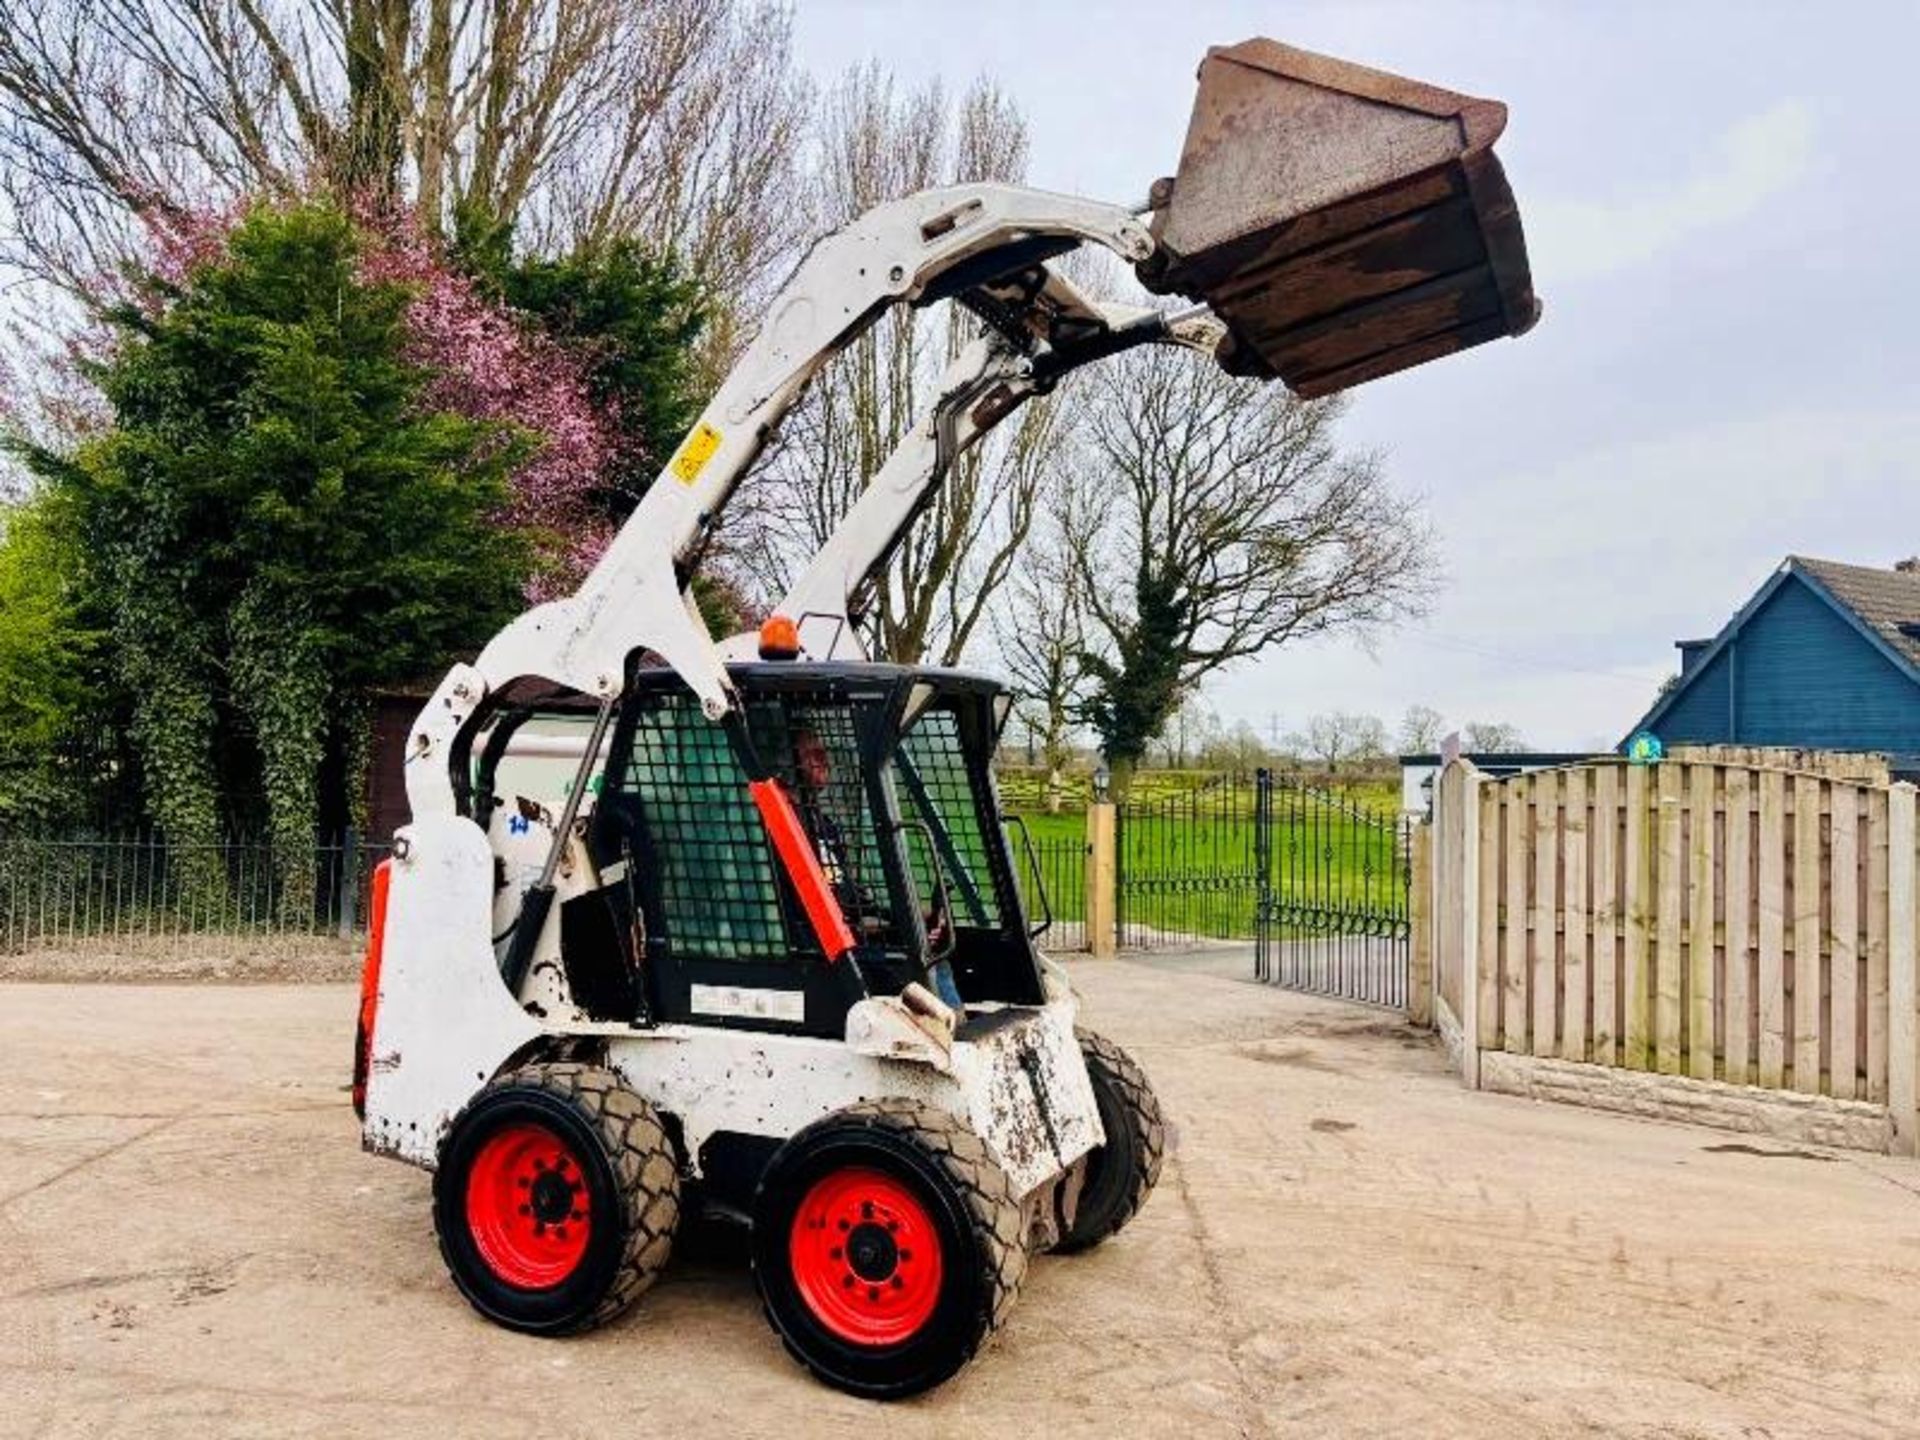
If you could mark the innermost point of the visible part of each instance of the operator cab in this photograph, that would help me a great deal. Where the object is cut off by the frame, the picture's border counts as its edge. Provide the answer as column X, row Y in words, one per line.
column 697, row 918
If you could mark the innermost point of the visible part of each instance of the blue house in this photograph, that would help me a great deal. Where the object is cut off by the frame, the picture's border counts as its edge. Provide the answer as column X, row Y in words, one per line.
column 1824, row 657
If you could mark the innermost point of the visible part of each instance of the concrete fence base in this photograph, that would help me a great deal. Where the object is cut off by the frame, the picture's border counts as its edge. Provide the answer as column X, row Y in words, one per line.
column 1778, row 1114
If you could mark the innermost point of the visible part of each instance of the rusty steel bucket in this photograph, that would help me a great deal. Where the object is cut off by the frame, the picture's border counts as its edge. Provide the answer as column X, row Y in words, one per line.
column 1345, row 223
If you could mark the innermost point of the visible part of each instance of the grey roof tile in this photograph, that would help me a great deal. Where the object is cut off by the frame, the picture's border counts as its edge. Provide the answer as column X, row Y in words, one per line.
column 1885, row 600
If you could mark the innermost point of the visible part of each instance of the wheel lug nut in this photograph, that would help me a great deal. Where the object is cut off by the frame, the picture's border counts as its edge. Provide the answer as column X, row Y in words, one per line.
column 559, row 1232
column 846, row 1282
column 834, row 1253
column 898, row 1283
column 526, row 1210
column 873, row 1292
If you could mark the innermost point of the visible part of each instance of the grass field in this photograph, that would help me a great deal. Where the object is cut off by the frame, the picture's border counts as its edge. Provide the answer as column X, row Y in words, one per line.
column 1188, row 860
column 1023, row 789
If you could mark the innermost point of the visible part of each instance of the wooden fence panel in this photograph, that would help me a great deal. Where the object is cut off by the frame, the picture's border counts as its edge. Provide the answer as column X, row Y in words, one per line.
column 1669, row 877
column 1542, row 949
column 1773, row 917
column 1903, row 985
column 1806, row 934
column 1491, row 797
column 1843, row 886
column 1709, row 920
column 1604, row 838
column 1737, row 870
column 1574, row 964
column 1877, row 986
column 1516, row 922
column 1702, row 859
column 1639, row 911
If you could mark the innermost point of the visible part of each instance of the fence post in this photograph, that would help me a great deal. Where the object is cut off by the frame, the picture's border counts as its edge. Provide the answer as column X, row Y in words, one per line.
column 1901, row 987
column 1470, row 882
column 1420, row 968
column 348, row 881
column 1263, row 875
column 1102, row 878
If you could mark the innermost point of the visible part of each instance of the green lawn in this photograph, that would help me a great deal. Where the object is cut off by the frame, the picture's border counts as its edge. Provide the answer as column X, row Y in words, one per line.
column 1023, row 789
column 1188, row 860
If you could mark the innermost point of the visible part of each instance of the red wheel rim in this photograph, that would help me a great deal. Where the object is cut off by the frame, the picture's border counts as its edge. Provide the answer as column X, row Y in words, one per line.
column 527, row 1206
column 865, row 1256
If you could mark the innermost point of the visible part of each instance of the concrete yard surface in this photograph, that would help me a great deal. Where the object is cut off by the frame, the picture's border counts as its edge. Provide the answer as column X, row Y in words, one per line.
column 1343, row 1242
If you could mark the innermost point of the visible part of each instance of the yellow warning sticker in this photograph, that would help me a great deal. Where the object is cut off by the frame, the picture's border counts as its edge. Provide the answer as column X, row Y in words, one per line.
column 695, row 451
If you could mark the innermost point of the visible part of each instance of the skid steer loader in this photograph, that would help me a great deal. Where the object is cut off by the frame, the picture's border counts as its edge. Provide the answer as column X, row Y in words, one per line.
column 767, row 953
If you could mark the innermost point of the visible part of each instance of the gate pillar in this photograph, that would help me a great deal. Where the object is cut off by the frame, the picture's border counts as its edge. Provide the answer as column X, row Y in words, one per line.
column 1102, row 880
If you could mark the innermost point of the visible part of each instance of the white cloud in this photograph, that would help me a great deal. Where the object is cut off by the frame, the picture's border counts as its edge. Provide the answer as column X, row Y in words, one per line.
column 1752, row 161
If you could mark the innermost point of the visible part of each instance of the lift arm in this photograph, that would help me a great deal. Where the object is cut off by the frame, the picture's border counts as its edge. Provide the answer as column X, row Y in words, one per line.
column 986, row 383
column 1343, row 224
column 927, row 247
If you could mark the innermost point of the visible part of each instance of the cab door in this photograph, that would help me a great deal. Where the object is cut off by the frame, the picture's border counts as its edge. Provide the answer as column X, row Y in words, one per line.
column 946, row 795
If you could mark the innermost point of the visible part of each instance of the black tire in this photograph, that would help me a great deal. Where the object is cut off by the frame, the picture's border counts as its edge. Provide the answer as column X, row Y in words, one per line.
column 628, row 1183
column 1121, row 1173
column 963, row 1200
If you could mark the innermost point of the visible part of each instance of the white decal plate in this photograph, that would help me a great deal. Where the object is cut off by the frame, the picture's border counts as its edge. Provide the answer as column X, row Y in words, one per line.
column 788, row 1006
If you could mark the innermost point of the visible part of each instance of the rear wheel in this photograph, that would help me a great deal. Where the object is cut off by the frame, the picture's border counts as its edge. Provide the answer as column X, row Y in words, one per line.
column 1121, row 1173
column 556, row 1199
column 888, row 1246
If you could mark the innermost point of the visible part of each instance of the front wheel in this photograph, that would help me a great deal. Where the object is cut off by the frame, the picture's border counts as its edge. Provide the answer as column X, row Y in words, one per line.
column 1121, row 1173
column 556, row 1199
column 888, row 1245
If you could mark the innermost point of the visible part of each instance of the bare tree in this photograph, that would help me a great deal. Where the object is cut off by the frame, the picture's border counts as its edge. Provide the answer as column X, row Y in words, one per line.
column 1492, row 737
column 1188, row 732
column 931, row 600
column 1039, row 628
column 1421, row 729
column 1232, row 523
column 1238, row 750
column 1339, row 738
column 580, row 119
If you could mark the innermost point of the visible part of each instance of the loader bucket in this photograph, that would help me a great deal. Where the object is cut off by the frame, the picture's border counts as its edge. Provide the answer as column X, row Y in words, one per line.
column 1343, row 222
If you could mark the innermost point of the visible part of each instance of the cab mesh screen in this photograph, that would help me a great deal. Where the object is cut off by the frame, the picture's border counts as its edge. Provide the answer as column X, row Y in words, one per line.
column 707, row 852
column 836, row 812
column 937, row 788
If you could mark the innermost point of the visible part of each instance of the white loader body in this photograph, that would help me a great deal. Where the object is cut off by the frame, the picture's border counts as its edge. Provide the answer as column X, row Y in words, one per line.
column 445, row 1026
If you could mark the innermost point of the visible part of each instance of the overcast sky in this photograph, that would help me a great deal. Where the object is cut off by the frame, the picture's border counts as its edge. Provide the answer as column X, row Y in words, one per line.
column 1721, row 209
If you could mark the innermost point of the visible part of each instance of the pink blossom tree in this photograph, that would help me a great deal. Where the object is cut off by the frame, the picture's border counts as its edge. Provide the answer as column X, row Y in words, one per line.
column 486, row 362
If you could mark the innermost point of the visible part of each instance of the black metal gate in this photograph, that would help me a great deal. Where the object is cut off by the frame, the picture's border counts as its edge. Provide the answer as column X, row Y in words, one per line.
column 1333, row 912
column 1185, row 866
